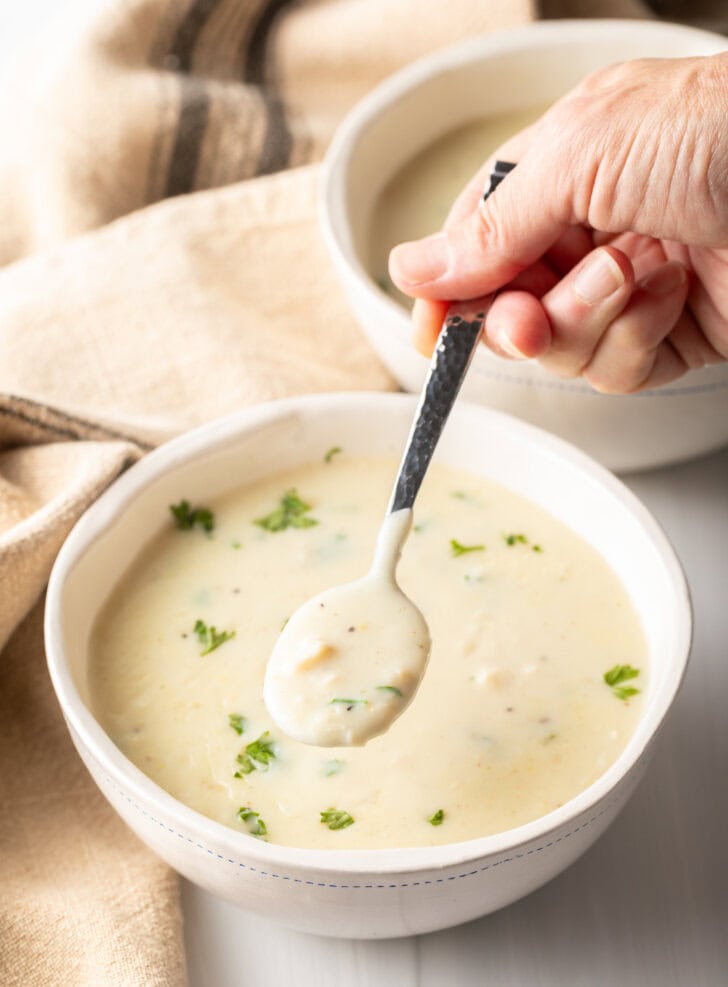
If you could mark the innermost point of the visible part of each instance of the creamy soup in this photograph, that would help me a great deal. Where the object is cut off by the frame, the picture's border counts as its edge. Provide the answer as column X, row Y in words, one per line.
column 534, row 684
column 416, row 201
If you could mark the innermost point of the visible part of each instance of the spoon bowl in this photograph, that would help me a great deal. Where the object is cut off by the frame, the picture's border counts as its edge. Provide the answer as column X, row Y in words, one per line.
column 348, row 661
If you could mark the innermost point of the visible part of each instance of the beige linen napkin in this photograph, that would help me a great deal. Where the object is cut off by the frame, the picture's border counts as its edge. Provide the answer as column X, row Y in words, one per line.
column 162, row 265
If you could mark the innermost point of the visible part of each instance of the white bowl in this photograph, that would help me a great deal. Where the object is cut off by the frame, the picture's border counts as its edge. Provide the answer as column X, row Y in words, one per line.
column 362, row 893
column 493, row 74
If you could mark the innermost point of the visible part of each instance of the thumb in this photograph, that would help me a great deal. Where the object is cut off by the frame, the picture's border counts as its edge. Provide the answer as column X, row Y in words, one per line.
column 486, row 249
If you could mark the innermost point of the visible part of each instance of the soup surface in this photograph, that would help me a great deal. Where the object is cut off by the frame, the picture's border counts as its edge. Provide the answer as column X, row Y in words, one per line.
column 534, row 684
column 416, row 201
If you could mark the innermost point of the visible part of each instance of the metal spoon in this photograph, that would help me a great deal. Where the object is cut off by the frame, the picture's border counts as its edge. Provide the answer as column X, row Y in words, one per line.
column 349, row 660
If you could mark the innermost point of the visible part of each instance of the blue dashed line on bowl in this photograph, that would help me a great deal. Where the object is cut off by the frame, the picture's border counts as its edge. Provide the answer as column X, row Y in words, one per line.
column 356, row 887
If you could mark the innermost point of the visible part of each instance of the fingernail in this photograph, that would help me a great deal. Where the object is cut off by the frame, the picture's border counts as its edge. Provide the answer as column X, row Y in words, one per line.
column 506, row 344
column 665, row 279
column 421, row 261
column 599, row 278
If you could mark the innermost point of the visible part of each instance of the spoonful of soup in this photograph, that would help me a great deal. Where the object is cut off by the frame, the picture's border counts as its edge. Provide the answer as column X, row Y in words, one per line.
column 349, row 661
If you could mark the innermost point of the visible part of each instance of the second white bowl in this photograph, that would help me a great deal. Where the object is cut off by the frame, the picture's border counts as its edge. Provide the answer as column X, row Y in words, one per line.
column 500, row 73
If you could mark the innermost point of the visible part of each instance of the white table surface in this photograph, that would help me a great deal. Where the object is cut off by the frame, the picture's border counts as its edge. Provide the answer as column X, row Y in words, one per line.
column 647, row 906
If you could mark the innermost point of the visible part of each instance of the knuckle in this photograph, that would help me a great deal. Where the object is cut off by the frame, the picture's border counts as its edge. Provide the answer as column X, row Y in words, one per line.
column 565, row 366
column 609, row 383
column 620, row 73
column 489, row 237
column 623, row 370
column 597, row 80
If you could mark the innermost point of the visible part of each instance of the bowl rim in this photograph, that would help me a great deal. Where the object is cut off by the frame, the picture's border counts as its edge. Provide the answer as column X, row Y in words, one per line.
column 130, row 782
column 333, row 216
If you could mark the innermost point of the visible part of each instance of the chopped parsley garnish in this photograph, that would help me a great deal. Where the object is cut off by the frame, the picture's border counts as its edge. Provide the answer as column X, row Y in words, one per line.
column 515, row 540
column 520, row 539
column 292, row 512
column 336, row 818
column 333, row 451
column 210, row 637
column 625, row 691
column 619, row 674
column 237, row 722
column 235, row 544
column 256, row 826
column 257, row 754
column 436, row 818
column 349, row 703
column 187, row 517
column 459, row 549
column 418, row 527
column 389, row 688
column 459, row 495
column 333, row 767
column 261, row 750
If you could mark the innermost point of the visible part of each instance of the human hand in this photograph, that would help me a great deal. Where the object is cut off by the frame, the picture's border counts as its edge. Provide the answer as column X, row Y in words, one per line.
column 608, row 244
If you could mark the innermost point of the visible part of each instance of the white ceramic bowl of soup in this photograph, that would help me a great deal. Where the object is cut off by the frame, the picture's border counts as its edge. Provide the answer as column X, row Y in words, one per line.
column 384, row 892
column 505, row 74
